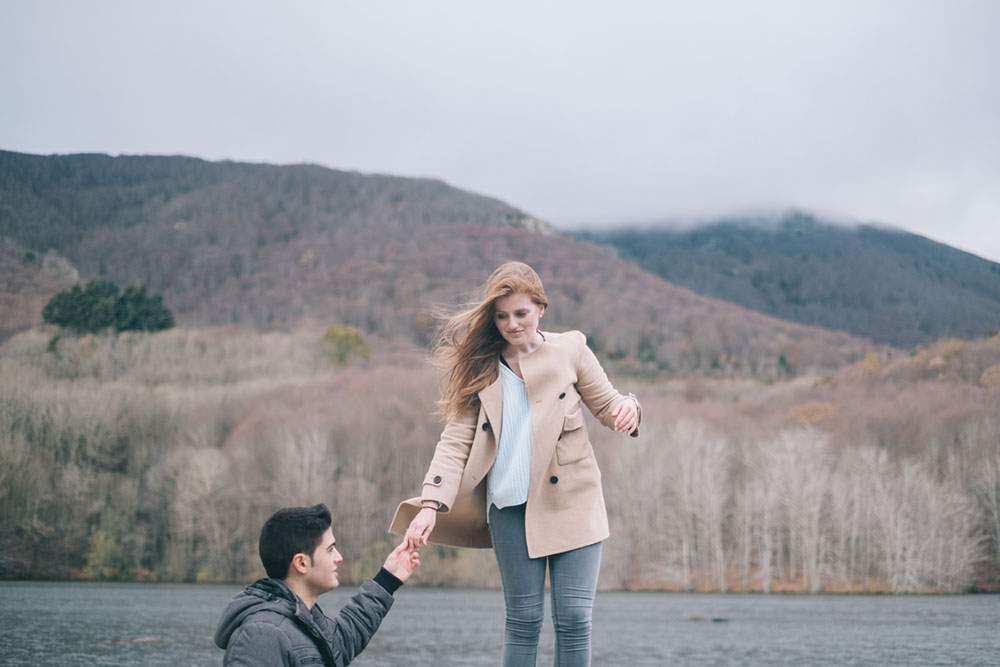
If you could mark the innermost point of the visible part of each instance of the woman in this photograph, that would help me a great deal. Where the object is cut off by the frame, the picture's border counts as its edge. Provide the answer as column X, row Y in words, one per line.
column 514, row 467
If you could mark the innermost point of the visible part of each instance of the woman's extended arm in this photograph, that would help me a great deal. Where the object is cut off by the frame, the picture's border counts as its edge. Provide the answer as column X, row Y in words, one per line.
column 444, row 475
column 622, row 413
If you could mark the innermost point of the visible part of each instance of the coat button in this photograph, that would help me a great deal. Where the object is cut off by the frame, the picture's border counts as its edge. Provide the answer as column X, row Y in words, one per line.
column 553, row 479
column 562, row 395
column 486, row 426
column 437, row 479
column 560, row 437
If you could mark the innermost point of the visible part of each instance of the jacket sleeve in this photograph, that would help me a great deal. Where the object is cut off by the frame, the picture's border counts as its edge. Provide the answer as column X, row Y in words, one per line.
column 444, row 475
column 258, row 645
column 355, row 625
column 598, row 394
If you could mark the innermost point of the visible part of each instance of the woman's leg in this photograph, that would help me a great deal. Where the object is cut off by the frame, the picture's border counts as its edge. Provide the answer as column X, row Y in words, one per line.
column 573, row 575
column 523, row 582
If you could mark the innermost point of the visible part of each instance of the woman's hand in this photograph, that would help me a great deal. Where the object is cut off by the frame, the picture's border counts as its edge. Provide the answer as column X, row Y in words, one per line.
column 626, row 416
column 420, row 528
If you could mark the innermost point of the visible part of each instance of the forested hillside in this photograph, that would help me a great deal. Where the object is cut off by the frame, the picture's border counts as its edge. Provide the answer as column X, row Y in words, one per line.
column 158, row 456
column 888, row 285
column 275, row 247
column 27, row 281
column 773, row 456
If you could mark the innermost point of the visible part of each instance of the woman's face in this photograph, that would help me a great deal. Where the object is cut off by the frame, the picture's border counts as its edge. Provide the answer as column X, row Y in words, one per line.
column 516, row 318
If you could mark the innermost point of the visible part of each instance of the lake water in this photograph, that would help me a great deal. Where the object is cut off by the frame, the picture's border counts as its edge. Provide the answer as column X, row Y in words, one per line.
column 172, row 624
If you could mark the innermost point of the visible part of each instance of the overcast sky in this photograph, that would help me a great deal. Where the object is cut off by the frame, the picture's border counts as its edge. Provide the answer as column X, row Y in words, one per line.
column 581, row 113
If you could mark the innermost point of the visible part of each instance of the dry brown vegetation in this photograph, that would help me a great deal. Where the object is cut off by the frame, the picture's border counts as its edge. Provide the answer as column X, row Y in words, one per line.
column 27, row 282
column 774, row 456
column 158, row 456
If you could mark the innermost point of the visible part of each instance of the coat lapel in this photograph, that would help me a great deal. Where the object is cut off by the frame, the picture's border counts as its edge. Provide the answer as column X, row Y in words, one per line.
column 539, row 374
column 492, row 401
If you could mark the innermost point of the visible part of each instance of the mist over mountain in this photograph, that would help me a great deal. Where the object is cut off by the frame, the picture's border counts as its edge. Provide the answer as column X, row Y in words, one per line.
column 276, row 247
column 877, row 282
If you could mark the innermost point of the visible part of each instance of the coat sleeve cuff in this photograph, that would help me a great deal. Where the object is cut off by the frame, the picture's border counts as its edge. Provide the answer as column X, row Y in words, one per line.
column 388, row 581
column 638, row 409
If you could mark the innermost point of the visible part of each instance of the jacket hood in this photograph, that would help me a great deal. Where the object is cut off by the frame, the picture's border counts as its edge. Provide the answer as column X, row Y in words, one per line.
column 263, row 594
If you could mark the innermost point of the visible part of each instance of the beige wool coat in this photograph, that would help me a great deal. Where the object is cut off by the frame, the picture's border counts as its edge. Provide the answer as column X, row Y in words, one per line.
column 565, row 508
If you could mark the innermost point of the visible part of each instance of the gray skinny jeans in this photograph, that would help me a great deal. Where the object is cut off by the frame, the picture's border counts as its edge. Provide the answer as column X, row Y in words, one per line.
column 573, row 579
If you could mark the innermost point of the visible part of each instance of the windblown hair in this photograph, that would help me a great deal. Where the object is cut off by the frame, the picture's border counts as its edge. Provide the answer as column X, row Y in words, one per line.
column 468, row 345
column 291, row 531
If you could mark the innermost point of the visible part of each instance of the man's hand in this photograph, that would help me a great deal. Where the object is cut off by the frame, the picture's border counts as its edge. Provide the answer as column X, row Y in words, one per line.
column 402, row 562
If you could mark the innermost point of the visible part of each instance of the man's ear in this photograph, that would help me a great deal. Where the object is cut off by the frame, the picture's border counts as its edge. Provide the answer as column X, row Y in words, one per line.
column 300, row 563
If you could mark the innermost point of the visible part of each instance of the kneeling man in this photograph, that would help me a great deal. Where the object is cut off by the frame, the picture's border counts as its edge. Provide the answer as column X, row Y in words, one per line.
column 276, row 621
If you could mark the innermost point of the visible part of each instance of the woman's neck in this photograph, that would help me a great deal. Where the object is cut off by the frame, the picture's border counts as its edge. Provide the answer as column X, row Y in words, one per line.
column 519, row 351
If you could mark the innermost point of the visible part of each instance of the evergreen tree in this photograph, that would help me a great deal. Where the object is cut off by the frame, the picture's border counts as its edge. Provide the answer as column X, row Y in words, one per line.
column 100, row 305
column 137, row 311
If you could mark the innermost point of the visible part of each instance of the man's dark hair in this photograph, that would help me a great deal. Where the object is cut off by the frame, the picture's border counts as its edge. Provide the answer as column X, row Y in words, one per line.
column 290, row 531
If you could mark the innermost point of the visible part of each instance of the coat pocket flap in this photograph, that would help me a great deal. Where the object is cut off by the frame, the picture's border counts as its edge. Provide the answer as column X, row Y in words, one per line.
column 573, row 421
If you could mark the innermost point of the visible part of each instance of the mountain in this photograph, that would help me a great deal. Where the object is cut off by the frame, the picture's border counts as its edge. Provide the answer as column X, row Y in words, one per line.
column 277, row 247
column 879, row 283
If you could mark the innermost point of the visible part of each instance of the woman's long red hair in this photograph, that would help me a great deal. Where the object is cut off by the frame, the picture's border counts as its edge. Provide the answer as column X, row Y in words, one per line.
column 468, row 345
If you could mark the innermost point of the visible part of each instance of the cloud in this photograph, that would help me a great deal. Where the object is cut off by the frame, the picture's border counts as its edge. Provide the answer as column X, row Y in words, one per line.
column 579, row 112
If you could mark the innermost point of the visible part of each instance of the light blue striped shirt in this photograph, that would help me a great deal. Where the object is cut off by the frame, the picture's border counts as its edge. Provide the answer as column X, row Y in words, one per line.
column 507, row 481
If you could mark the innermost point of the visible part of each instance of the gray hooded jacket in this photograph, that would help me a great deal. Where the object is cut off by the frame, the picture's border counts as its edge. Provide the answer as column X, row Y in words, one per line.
column 267, row 624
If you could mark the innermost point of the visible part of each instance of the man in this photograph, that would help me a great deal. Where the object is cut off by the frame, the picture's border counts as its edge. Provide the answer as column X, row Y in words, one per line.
column 276, row 621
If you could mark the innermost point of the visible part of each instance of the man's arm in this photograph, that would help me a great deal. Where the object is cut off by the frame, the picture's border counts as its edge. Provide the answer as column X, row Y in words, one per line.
column 349, row 633
column 355, row 625
column 257, row 645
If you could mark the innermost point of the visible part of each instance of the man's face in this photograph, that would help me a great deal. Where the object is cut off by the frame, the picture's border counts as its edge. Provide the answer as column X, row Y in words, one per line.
column 322, row 576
